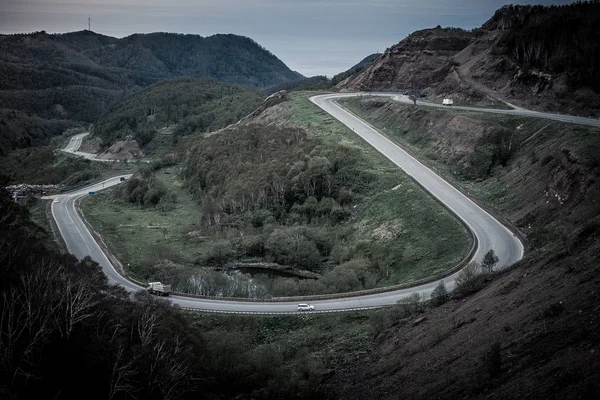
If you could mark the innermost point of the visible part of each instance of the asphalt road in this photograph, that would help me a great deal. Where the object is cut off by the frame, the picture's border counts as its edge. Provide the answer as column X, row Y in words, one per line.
column 75, row 143
column 517, row 111
column 490, row 233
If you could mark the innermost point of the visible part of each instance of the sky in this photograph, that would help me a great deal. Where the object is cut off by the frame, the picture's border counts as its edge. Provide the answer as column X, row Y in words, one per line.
column 313, row 37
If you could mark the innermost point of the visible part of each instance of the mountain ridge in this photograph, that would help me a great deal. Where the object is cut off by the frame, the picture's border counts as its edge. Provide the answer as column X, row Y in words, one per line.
column 76, row 76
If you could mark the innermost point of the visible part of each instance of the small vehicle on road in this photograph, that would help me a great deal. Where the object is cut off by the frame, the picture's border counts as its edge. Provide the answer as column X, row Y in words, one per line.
column 305, row 307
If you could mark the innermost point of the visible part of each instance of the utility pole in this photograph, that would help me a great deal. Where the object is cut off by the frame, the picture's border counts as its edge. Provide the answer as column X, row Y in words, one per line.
column 89, row 24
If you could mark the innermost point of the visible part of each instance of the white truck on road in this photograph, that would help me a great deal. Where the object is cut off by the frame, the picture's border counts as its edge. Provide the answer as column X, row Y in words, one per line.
column 447, row 102
column 159, row 288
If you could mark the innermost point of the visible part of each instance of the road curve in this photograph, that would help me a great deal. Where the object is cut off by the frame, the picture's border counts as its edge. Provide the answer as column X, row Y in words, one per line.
column 489, row 232
column 73, row 148
column 517, row 111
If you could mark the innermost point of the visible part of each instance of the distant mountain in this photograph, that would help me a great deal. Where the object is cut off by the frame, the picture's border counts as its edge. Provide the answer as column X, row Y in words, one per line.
column 355, row 69
column 319, row 82
column 543, row 58
column 77, row 76
column 38, row 61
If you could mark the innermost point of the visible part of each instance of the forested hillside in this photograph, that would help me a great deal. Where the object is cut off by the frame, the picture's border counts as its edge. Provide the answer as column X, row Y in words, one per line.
column 556, row 39
column 183, row 105
column 77, row 76
column 19, row 130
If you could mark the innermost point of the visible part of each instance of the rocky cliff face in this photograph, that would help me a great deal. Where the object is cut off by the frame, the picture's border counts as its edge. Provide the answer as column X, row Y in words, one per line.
column 417, row 62
column 541, row 58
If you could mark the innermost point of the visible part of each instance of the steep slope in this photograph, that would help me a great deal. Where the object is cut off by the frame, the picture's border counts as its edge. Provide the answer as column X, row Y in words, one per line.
column 362, row 64
column 419, row 61
column 533, row 332
column 543, row 58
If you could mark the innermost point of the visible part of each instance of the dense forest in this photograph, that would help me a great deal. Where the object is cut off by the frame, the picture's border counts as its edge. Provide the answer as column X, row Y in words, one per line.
column 308, row 197
column 19, row 130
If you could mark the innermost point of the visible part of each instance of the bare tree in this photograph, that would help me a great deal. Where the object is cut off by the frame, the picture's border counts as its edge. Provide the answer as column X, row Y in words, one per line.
column 122, row 373
column 27, row 317
column 146, row 325
column 75, row 303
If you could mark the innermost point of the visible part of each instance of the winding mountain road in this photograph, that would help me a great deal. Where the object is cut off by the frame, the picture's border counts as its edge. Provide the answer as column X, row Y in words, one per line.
column 489, row 232
column 73, row 148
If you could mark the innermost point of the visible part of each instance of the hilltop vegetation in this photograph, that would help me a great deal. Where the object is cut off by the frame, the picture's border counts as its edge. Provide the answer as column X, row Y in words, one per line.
column 184, row 105
column 39, row 61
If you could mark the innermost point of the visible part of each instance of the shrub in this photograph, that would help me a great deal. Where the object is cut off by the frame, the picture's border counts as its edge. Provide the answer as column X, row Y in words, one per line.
column 469, row 280
column 439, row 295
column 290, row 246
column 489, row 260
column 217, row 255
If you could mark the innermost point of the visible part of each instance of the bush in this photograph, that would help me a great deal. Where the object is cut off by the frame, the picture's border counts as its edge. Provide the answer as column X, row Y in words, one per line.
column 439, row 295
column 217, row 255
column 290, row 246
column 469, row 280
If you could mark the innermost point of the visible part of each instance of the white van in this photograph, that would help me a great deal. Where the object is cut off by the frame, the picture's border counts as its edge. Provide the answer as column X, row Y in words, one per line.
column 305, row 307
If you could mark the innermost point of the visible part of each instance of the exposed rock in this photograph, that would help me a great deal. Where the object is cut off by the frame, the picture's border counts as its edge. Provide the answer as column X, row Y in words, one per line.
column 420, row 60
column 92, row 146
column 127, row 149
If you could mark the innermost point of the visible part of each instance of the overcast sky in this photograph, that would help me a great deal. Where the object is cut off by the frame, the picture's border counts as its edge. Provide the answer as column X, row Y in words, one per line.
column 313, row 37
